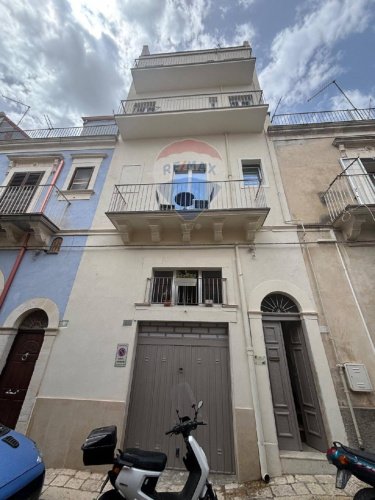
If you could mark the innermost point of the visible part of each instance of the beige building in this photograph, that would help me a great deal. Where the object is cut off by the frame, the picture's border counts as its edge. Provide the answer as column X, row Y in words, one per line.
column 193, row 285
column 327, row 164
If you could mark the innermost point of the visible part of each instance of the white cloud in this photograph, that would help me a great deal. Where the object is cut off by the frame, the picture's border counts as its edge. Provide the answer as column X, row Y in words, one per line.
column 303, row 57
column 360, row 100
column 245, row 3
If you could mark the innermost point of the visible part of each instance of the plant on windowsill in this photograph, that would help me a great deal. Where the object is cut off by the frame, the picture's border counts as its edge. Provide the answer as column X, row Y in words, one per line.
column 186, row 278
column 166, row 299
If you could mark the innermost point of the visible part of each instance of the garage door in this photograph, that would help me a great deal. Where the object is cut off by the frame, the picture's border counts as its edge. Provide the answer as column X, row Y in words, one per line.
column 177, row 364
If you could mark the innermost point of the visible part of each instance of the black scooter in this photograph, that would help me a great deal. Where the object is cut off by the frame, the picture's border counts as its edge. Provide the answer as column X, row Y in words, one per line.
column 357, row 462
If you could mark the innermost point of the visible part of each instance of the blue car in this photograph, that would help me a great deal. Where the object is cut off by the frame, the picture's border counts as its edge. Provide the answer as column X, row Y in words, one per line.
column 21, row 466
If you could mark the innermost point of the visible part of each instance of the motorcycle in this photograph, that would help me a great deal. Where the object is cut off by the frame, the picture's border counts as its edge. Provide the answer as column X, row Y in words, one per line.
column 135, row 472
column 357, row 462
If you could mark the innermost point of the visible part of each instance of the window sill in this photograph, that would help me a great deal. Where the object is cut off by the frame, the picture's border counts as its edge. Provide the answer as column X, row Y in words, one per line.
column 77, row 194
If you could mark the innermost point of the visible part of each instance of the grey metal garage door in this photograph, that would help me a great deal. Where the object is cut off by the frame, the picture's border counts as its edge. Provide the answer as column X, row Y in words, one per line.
column 173, row 361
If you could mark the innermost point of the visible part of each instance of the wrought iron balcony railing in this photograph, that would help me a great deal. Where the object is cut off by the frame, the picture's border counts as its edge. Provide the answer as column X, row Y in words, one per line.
column 185, row 196
column 167, row 291
column 198, row 102
column 346, row 115
column 44, row 199
column 347, row 191
column 90, row 131
column 196, row 57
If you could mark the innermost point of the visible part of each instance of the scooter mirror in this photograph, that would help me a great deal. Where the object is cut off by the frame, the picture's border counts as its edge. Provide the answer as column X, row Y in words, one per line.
column 200, row 404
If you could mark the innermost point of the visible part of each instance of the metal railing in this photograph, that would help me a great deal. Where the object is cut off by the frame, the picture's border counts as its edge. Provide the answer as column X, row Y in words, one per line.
column 172, row 104
column 348, row 191
column 44, row 199
column 345, row 115
column 185, row 196
column 94, row 130
column 207, row 291
column 198, row 57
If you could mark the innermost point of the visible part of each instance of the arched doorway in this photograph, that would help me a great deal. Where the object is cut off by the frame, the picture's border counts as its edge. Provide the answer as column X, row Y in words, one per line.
column 298, row 418
column 16, row 375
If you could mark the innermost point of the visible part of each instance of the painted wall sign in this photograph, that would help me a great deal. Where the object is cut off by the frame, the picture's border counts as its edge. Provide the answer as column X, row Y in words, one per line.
column 121, row 354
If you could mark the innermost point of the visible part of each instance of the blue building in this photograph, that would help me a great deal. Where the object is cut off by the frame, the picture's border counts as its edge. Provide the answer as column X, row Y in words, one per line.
column 50, row 185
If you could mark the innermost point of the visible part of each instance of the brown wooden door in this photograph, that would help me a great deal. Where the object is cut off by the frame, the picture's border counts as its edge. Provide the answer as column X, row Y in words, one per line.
column 168, row 368
column 304, row 386
column 16, row 375
column 282, row 396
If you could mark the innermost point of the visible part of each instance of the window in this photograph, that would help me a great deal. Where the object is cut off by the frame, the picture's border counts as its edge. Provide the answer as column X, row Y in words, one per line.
column 18, row 194
column 81, row 178
column 242, row 100
column 369, row 166
column 144, row 107
column 251, row 172
column 187, row 287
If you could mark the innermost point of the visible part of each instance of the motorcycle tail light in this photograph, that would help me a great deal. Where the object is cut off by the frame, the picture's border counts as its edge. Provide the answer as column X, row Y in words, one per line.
column 343, row 459
column 330, row 453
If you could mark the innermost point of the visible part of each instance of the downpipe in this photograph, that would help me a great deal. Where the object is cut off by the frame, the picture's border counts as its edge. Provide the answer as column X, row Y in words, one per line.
column 253, row 383
column 351, row 409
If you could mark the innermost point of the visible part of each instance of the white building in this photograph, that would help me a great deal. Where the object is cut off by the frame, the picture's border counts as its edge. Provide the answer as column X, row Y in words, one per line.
column 194, row 269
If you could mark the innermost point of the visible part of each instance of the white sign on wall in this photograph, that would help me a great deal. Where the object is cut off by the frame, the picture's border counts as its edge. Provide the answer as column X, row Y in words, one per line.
column 121, row 354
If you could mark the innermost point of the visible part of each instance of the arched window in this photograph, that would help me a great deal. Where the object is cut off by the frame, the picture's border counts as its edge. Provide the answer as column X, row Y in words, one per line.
column 36, row 320
column 278, row 303
column 55, row 245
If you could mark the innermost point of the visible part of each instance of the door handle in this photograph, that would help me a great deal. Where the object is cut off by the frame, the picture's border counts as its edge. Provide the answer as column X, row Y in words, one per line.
column 25, row 356
column 9, row 391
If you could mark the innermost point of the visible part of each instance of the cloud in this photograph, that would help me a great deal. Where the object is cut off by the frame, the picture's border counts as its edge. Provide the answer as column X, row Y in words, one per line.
column 55, row 65
column 245, row 3
column 360, row 100
column 302, row 55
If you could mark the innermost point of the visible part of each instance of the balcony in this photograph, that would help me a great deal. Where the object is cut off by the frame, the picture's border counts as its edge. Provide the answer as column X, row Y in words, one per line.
column 350, row 200
column 16, row 134
column 197, row 69
column 169, row 290
column 314, row 118
column 38, row 210
column 214, row 113
column 196, row 212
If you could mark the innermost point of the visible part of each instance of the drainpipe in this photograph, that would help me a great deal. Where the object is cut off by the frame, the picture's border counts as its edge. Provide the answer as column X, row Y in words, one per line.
column 351, row 409
column 14, row 270
column 250, row 359
column 53, row 182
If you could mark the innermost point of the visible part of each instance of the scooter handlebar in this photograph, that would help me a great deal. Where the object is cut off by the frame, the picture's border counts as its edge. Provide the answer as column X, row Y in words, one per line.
column 185, row 426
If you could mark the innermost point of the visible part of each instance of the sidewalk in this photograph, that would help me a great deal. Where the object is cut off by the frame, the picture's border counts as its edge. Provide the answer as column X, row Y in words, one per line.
column 68, row 484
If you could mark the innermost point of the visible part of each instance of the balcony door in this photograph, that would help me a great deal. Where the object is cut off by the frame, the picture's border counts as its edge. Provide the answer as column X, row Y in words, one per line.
column 361, row 176
column 17, row 195
column 190, row 189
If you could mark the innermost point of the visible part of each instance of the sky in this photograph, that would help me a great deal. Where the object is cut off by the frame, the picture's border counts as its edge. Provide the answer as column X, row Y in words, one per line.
column 72, row 58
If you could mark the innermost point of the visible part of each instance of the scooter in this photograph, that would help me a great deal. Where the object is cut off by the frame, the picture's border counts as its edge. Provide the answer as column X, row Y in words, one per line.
column 135, row 472
column 357, row 462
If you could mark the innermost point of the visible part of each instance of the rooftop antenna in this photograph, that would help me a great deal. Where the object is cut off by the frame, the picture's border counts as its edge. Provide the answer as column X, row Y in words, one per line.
column 48, row 121
column 277, row 107
column 18, row 102
column 340, row 89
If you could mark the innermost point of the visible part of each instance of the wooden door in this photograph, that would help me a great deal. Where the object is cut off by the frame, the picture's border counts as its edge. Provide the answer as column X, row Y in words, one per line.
column 171, row 371
column 16, row 375
column 301, row 373
column 282, row 396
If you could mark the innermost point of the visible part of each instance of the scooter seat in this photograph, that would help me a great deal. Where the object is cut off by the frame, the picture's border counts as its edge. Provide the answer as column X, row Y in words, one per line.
column 146, row 460
column 366, row 455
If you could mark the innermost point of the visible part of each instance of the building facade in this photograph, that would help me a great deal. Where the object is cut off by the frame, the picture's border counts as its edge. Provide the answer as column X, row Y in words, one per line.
column 328, row 159
column 50, row 186
column 191, row 284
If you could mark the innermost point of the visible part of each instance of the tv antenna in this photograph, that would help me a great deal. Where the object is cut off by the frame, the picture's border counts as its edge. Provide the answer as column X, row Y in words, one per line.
column 18, row 102
column 340, row 89
column 48, row 121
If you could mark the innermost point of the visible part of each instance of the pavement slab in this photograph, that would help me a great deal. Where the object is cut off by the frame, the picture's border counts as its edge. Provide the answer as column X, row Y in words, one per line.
column 68, row 484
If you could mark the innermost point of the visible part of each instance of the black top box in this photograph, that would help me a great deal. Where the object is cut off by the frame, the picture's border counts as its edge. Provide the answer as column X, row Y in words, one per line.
column 99, row 447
